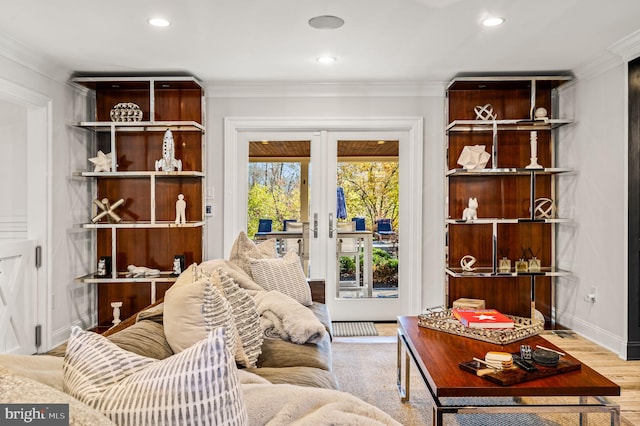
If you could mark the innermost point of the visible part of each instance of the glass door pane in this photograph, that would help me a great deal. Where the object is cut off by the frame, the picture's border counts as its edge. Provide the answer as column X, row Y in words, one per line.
column 278, row 195
column 367, row 211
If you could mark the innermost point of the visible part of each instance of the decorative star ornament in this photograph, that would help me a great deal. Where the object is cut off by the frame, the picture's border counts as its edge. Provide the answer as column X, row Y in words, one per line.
column 102, row 162
column 486, row 317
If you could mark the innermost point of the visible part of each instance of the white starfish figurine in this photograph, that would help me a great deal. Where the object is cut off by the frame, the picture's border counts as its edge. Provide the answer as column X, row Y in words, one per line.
column 482, row 317
column 102, row 162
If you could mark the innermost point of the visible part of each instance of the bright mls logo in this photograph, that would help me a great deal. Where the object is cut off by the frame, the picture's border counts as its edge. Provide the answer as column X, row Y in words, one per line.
column 34, row 414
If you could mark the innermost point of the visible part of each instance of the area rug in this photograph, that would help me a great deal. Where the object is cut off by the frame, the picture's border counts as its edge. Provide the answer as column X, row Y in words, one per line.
column 351, row 329
column 368, row 370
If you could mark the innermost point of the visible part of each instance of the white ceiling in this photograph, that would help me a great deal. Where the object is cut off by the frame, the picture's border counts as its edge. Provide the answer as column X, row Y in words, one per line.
column 270, row 41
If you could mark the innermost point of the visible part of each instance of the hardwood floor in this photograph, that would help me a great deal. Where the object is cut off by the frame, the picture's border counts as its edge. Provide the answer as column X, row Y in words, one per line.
column 625, row 373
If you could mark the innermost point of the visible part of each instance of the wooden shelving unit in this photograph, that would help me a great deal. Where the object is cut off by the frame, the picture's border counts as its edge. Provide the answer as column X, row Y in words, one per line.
column 147, row 235
column 506, row 190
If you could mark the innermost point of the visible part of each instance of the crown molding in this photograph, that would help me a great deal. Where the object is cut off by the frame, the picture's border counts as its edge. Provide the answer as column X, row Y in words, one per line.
column 603, row 63
column 305, row 90
column 628, row 48
column 38, row 62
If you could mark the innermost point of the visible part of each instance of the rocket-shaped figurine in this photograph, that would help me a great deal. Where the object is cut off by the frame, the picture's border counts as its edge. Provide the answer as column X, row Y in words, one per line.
column 168, row 162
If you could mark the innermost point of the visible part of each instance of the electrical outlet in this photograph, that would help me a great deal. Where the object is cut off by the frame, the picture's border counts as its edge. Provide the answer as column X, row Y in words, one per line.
column 591, row 297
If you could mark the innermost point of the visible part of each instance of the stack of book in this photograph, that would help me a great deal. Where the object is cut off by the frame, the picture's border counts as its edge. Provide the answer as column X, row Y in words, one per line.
column 482, row 318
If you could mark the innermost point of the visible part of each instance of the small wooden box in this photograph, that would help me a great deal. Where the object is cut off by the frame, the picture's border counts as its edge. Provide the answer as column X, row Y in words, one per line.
column 469, row 303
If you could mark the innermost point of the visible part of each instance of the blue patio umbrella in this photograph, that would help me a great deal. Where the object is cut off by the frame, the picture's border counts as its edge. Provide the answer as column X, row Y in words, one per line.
column 341, row 204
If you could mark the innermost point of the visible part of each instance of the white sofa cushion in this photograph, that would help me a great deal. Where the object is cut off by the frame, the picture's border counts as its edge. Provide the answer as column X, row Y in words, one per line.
column 199, row 385
column 194, row 306
column 243, row 250
column 284, row 275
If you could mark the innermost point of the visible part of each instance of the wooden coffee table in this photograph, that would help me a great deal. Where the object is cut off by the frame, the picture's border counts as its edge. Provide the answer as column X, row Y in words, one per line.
column 437, row 356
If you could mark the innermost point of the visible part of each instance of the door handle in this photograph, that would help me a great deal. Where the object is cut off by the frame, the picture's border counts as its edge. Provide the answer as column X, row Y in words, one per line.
column 315, row 225
column 331, row 225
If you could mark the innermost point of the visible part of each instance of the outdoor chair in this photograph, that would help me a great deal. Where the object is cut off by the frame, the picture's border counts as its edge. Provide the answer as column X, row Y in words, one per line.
column 286, row 222
column 384, row 231
column 348, row 247
column 264, row 228
column 360, row 223
column 296, row 243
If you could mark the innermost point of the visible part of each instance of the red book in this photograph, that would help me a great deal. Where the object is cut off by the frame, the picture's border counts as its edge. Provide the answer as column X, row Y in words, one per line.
column 482, row 318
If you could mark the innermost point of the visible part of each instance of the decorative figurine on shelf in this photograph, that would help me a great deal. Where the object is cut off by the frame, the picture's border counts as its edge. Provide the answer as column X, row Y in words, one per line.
column 540, row 113
column 467, row 262
column 108, row 210
column 116, row 312
column 474, row 157
column 544, row 208
column 168, row 162
column 102, row 268
column 126, row 111
column 181, row 207
column 142, row 271
column 471, row 212
column 534, row 152
column 485, row 112
column 103, row 162
column 178, row 264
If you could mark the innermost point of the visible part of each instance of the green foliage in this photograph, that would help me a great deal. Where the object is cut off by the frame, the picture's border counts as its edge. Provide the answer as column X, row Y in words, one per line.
column 371, row 190
column 274, row 193
column 347, row 265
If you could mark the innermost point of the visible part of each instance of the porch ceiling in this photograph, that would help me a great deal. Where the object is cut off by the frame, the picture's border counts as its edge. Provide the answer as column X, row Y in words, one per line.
column 302, row 149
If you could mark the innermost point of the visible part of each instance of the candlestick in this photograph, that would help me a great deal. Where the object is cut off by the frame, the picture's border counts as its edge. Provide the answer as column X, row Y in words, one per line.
column 534, row 151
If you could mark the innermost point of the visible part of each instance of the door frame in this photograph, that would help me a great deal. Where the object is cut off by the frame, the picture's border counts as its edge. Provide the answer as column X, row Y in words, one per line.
column 39, row 136
column 412, row 164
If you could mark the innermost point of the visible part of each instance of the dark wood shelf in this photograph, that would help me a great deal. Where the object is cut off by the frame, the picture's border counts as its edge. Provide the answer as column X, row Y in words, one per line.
column 147, row 235
column 506, row 190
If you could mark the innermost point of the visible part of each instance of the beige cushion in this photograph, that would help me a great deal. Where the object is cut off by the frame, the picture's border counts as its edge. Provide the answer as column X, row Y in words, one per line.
column 246, row 318
column 284, row 275
column 18, row 389
column 192, row 308
column 243, row 250
column 197, row 386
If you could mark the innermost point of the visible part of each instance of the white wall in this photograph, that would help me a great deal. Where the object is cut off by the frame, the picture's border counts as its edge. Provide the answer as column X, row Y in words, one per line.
column 67, row 253
column 595, row 247
column 317, row 104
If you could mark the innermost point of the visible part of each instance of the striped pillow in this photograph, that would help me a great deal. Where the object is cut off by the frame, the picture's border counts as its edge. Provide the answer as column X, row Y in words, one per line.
column 193, row 306
column 284, row 275
column 247, row 319
column 199, row 385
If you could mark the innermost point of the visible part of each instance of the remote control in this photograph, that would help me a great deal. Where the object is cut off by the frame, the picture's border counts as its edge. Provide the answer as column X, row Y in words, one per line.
column 526, row 352
column 524, row 364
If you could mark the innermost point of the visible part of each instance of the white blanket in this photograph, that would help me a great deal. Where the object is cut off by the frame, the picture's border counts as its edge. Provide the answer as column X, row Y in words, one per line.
column 286, row 318
column 280, row 405
column 280, row 315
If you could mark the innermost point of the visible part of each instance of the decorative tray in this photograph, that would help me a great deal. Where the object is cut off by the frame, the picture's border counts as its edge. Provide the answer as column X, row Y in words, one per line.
column 443, row 320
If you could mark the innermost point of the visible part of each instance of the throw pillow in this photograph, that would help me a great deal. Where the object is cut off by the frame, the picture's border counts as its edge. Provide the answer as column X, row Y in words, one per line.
column 247, row 319
column 243, row 250
column 192, row 308
column 284, row 275
column 197, row 386
column 19, row 389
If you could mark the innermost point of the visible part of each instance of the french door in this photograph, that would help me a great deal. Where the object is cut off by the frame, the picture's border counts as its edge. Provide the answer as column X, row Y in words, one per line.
column 323, row 233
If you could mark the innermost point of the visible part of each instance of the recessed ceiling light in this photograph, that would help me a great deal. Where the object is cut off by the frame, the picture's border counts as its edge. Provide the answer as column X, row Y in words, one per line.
column 326, row 59
column 159, row 22
column 492, row 21
column 326, row 22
